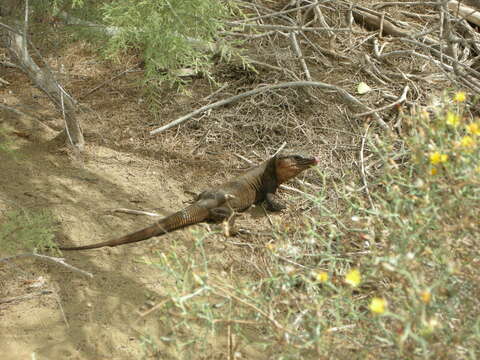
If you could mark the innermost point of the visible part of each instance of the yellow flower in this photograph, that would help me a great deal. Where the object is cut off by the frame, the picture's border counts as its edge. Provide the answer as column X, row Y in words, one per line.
column 453, row 119
column 474, row 128
column 437, row 158
column 467, row 141
column 378, row 305
column 433, row 171
column 426, row 296
column 460, row 96
column 353, row 278
column 321, row 276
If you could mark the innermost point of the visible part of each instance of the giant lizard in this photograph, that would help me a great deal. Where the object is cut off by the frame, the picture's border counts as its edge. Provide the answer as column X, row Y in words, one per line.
column 255, row 186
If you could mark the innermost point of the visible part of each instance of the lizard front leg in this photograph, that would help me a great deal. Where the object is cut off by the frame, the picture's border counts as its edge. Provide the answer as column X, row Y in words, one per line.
column 272, row 203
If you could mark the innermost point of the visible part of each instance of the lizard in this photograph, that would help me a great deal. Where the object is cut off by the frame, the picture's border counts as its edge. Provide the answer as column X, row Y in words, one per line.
column 258, row 184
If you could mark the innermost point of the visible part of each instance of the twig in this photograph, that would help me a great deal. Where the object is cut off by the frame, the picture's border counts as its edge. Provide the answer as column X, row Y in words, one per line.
column 24, row 297
column 216, row 92
column 248, row 36
column 244, row 159
column 135, row 212
column 321, row 18
column 362, row 162
column 291, row 262
column 280, row 148
column 286, row 187
column 400, row 100
column 57, row 298
column 155, row 307
column 339, row 328
column 293, row 28
column 62, row 105
column 385, row 26
column 227, row 295
column 298, row 51
column 52, row 259
column 407, row 3
column 343, row 93
column 466, row 12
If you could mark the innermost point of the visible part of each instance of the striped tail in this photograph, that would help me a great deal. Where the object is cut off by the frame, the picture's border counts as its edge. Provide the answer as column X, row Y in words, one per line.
column 192, row 214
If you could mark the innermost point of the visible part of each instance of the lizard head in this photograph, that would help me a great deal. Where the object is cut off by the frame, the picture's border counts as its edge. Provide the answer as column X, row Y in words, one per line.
column 289, row 166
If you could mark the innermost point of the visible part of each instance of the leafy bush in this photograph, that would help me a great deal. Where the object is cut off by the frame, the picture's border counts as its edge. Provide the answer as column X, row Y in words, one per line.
column 170, row 34
column 167, row 35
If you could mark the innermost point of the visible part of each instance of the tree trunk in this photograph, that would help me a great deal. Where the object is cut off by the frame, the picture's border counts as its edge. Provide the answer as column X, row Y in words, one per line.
column 45, row 80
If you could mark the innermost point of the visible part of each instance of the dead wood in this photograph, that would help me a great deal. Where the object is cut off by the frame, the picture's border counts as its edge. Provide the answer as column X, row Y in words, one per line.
column 375, row 22
column 348, row 98
column 471, row 13
column 44, row 79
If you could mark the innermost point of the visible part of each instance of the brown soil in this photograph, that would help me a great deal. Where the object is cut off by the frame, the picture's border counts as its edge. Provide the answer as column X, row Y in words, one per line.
column 122, row 167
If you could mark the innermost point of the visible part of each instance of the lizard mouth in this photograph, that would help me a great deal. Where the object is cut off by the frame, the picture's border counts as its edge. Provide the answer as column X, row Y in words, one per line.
column 310, row 161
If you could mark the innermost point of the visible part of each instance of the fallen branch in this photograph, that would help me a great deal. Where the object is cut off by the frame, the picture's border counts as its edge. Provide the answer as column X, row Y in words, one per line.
column 135, row 212
column 55, row 260
column 387, row 28
column 351, row 100
column 298, row 52
column 407, row 3
column 292, row 28
column 466, row 12
column 24, row 297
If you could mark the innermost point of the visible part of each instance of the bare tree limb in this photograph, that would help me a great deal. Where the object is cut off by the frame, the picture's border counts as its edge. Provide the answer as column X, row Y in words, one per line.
column 351, row 101
column 44, row 79
column 55, row 260
column 298, row 51
column 135, row 212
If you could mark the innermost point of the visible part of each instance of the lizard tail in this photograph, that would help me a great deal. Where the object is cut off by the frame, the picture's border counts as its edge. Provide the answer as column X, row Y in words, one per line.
column 192, row 214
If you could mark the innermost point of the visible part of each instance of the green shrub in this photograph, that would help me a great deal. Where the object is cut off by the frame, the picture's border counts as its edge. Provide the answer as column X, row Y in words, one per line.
column 169, row 34
column 24, row 230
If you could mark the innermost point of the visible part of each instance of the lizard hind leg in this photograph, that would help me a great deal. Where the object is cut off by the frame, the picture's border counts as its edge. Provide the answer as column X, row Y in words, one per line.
column 226, row 215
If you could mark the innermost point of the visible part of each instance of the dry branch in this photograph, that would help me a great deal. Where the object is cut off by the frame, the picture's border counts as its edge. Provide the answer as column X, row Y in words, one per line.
column 55, row 260
column 291, row 28
column 24, row 297
column 348, row 98
column 388, row 28
column 44, row 79
column 135, row 212
column 466, row 12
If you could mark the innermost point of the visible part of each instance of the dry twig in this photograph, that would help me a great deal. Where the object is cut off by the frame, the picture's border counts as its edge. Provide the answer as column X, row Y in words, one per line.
column 55, row 260
column 350, row 99
column 135, row 212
